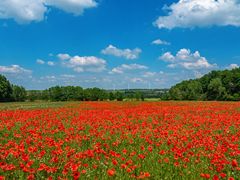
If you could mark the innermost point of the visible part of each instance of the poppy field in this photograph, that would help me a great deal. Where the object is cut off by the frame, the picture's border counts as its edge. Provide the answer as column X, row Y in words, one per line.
column 122, row 140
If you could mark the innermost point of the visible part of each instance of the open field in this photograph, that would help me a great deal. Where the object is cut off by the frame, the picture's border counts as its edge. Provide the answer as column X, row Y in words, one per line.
column 33, row 105
column 120, row 140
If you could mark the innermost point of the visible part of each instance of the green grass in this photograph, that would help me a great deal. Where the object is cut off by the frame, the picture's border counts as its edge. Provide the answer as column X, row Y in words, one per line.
column 152, row 99
column 146, row 99
column 34, row 105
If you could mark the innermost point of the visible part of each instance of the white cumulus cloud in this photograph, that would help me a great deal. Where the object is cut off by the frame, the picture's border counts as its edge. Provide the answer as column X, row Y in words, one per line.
column 63, row 56
column 149, row 74
column 51, row 63
column 185, row 59
column 22, row 10
column 72, row 6
column 127, row 67
column 40, row 61
column 200, row 13
column 160, row 42
column 124, row 53
column 233, row 66
column 14, row 69
column 25, row 11
column 168, row 57
column 85, row 63
column 136, row 80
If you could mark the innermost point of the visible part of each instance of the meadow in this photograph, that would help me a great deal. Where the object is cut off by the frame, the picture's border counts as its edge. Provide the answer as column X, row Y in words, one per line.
column 120, row 140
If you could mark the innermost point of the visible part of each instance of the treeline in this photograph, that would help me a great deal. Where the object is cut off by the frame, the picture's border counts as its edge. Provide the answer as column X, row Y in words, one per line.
column 76, row 93
column 217, row 85
column 73, row 93
column 144, row 93
column 10, row 92
column 14, row 93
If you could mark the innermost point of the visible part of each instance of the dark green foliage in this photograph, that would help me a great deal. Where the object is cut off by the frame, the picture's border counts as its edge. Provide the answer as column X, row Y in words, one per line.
column 19, row 93
column 69, row 93
column 111, row 96
column 142, row 97
column 34, row 95
column 95, row 94
column 144, row 93
column 5, row 89
column 216, row 90
column 45, row 95
column 56, row 94
column 217, row 85
column 10, row 92
column 190, row 90
column 119, row 96
column 138, row 96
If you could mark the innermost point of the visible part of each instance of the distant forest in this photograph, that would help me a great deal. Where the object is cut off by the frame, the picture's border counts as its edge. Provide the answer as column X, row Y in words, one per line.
column 14, row 93
column 216, row 85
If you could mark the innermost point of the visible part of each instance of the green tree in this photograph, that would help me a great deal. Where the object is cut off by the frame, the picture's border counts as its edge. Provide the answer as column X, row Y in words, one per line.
column 216, row 91
column 142, row 97
column 95, row 94
column 19, row 93
column 92, row 94
column 119, row 96
column 5, row 89
column 137, row 95
column 45, row 95
column 68, row 93
column 111, row 96
column 79, row 93
column 34, row 95
column 175, row 94
column 56, row 94
column 194, row 90
column 216, row 85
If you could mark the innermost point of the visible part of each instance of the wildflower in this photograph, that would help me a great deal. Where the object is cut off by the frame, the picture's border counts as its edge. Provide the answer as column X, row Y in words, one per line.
column 83, row 171
column 141, row 156
column 111, row 172
column 30, row 177
column 76, row 175
column 207, row 176
column 223, row 175
column 234, row 163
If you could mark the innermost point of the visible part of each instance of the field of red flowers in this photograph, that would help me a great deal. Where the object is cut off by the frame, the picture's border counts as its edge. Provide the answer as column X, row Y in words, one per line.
column 122, row 140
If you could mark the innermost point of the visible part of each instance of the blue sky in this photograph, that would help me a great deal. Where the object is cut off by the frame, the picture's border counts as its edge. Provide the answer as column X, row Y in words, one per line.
column 116, row 44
